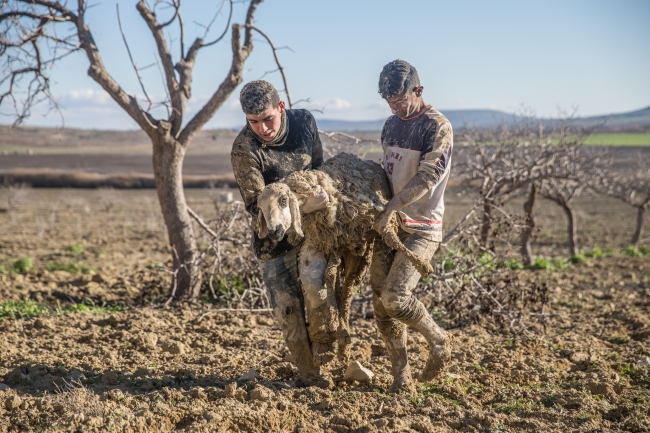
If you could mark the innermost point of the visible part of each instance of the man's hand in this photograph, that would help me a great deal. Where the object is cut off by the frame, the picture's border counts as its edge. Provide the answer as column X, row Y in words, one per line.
column 316, row 201
column 382, row 220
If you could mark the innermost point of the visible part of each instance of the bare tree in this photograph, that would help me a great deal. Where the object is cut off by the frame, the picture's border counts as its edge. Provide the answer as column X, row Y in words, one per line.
column 503, row 162
column 633, row 187
column 527, row 234
column 35, row 34
column 527, row 158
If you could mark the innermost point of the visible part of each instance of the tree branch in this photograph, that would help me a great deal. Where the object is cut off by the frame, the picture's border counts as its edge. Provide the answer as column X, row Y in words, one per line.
column 177, row 8
column 277, row 62
column 97, row 71
column 232, row 80
column 167, row 63
column 128, row 50
column 225, row 30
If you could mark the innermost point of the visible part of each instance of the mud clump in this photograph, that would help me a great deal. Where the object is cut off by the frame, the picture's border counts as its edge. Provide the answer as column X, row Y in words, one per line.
column 110, row 378
column 13, row 402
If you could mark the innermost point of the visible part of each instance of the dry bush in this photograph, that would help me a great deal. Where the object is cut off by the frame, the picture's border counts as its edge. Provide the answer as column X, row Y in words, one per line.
column 75, row 403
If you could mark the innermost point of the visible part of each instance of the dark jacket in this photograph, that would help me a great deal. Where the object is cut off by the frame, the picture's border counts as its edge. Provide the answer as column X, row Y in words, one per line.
column 256, row 166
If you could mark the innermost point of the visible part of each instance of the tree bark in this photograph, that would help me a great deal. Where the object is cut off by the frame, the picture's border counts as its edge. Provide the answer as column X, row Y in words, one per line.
column 168, row 155
column 640, row 215
column 572, row 227
column 529, row 206
column 485, row 225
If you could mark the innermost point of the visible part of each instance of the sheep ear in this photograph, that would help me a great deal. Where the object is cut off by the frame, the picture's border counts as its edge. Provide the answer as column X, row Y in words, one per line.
column 295, row 231
column 262, row 230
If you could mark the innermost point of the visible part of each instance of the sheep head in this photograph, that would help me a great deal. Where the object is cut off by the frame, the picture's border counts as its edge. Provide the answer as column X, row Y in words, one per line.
column 279, row 214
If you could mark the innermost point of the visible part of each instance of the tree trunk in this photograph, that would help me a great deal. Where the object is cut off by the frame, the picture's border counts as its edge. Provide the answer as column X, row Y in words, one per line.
column 640, row 214
column 168, row 155
column 572, row 229
column 485, row 224
column 530, row 226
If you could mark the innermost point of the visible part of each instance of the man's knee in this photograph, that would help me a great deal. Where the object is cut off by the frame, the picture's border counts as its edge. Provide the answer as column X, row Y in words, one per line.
column 311, row 265
column 401, row 307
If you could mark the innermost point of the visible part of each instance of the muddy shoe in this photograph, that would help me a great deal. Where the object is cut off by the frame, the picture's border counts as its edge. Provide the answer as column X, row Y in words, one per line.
column 323, row 353
column 439, row 356
column 322, row 382
column 401, row 381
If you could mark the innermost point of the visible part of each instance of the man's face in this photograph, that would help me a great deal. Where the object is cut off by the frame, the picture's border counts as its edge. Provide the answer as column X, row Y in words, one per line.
column 406, row 104
column 267, row 124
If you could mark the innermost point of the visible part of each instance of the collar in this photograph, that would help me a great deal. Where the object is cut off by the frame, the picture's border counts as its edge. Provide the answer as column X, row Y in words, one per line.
column 418, row 114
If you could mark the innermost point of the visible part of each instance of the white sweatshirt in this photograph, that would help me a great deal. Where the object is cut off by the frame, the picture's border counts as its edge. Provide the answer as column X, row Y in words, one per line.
column 422, row 144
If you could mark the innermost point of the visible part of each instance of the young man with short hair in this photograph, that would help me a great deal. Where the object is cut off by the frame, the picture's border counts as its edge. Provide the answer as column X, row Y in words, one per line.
column 274, row 143
column 417, row 142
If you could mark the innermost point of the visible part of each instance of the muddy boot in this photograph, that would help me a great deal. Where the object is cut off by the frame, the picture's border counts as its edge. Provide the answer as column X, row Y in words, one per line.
column 439, row 356
column 302, row 358
column 438, row 340
column 394, row 335
column 321, row 334
column 400, row 369
column 291, row 322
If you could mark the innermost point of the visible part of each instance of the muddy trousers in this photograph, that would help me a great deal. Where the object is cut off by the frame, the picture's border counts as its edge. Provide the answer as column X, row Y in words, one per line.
column 393, row 278
column 311, row 269
column 281, row 278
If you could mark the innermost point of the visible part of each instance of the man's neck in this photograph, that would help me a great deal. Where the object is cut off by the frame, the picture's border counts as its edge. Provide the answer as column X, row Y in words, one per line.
column 418, row 108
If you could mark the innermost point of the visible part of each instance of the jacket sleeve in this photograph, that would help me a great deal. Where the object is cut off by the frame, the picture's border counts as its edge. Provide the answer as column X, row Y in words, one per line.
column 317, row 149
column 436, row 155
column 248, row 175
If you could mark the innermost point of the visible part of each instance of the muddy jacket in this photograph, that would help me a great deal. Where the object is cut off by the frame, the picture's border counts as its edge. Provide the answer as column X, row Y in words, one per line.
column 256, row 165
column 420, row 145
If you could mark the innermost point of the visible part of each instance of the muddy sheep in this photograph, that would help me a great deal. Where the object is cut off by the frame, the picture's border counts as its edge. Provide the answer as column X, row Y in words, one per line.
column 358, row 191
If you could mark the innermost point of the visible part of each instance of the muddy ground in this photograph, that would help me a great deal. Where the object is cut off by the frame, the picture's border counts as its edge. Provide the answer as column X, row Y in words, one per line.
column 583, row 368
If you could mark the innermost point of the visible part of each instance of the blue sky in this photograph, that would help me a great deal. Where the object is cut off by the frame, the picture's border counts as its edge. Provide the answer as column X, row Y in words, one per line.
column 499, row 54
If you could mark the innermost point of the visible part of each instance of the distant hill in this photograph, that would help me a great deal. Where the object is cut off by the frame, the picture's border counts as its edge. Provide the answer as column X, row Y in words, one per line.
column 633, row 120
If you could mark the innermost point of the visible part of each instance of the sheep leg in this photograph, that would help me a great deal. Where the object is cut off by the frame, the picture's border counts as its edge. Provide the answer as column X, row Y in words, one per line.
column 422, row 265
column 330, row 280
column 355, row 270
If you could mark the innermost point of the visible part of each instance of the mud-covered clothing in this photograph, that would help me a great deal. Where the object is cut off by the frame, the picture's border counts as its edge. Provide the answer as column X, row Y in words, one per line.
column 393, row 278
column 280, row 275
column 257, row 164
column 420, row 145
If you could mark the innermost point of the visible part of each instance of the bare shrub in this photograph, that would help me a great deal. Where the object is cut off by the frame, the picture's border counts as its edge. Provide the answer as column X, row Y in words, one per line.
column 75, row 403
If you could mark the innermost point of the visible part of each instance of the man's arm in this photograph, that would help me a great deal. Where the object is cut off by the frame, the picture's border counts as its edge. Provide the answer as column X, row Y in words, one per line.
column 317, row 148
column 434, row 163
column 248, row 176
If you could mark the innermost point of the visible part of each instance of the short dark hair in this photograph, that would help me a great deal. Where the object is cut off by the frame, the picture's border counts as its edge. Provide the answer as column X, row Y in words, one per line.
column 396, row 78
column 256, row 96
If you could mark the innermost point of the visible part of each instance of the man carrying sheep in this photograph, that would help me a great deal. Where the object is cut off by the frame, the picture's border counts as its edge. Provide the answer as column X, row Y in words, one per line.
column 274, row 143
column 417, row 142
